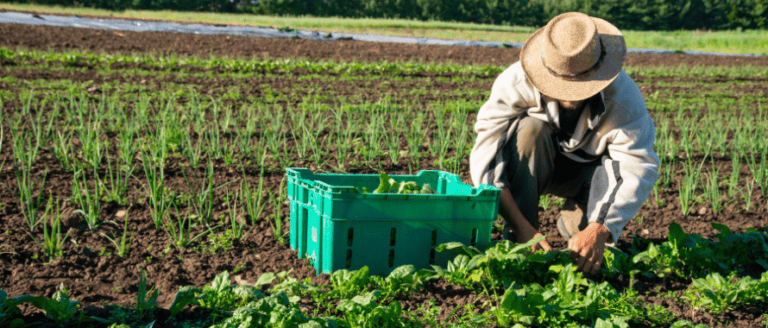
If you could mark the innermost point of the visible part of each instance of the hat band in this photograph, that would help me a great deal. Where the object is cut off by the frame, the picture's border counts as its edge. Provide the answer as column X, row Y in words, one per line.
column 577, row 76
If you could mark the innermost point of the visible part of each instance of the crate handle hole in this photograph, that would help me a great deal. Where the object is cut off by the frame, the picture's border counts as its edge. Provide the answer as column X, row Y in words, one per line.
column 349, row 258
column 474, row 237
column 434, row 237
column 350, row 233
column 431, row 256
column 391, row 258
column 392, row 237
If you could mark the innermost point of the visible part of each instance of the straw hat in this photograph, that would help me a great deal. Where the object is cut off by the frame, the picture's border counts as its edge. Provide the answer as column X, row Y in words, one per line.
column 574, row 56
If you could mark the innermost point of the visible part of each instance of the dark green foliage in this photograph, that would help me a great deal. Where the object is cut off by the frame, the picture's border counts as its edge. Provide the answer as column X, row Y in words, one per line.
column 186, row 5
column 289, row 7
column 659, row 15
column 692, row 256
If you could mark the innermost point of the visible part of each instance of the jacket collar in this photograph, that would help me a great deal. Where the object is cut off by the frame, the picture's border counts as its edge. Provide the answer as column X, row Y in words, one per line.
column 594, row 111
column 588, row 121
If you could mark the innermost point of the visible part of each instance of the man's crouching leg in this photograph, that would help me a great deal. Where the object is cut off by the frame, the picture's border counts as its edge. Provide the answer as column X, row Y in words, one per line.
column 582, row 187
column 530, row 166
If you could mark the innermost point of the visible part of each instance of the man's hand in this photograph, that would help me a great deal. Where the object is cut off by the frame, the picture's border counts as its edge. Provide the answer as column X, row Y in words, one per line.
column 587, row 247
column 526, row 234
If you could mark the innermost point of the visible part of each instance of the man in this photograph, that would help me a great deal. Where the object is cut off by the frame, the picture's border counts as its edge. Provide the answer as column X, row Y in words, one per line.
column 567, row 120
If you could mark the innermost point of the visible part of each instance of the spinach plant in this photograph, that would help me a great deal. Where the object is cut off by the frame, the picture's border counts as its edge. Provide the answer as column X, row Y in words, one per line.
column 346, row 284
column 288, row 284
column 59, row 308
column 273, row 311
column 692, row 256
column 363, row 312
column 217, row 296
column 571, row 298
column 402, row 279
column 8, row 310
column 718, row 294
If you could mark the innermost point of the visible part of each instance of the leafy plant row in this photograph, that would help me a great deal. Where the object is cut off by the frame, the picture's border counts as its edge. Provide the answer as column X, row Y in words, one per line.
column 518, row 288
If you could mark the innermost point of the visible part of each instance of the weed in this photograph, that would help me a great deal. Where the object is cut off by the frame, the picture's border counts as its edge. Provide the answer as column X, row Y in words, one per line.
column 8, row 246
column 121, row 247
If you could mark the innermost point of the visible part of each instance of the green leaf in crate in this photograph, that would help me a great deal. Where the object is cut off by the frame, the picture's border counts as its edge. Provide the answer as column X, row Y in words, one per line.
column 408, row 187
column 384, row 183
column 389, row 185
column 427, row 189
column 394, row 186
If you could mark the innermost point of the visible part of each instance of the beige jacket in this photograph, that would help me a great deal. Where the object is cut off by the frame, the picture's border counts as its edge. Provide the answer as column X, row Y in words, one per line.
column 623, row 130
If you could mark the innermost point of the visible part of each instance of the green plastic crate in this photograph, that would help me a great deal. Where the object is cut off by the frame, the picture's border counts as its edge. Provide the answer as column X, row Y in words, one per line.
column 339, row 228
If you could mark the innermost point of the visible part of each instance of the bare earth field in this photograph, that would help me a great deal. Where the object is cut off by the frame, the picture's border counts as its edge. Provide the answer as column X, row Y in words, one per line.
column 99, row 281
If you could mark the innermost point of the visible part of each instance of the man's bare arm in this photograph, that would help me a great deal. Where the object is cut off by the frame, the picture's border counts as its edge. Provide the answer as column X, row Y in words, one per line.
column 523, row 229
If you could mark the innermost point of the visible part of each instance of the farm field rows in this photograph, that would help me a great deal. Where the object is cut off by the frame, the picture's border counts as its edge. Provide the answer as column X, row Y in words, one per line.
column 177, row 145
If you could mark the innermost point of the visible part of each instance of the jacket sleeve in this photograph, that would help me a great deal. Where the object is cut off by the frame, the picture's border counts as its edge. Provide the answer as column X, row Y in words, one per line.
column 627, row 175
column 506, row 102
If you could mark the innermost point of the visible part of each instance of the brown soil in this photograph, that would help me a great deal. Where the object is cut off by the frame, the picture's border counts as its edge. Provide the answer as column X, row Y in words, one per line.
column 95, row 278
column 67, row 38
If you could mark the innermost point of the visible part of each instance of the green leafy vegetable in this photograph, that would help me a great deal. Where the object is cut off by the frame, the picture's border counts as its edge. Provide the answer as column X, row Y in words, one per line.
column 349, row 283
column 7, row 310
column 362, row 311
column 218, row 296
column 388, row 185
column 185, row 296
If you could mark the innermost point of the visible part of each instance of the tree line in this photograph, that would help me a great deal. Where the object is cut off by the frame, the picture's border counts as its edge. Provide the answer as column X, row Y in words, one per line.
column 659, row 15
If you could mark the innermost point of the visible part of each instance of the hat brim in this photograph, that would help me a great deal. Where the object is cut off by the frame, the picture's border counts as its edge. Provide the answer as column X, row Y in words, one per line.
column 573, row 90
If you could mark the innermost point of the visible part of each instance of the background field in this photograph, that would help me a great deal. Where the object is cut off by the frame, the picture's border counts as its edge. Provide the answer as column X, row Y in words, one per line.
column 731, row 42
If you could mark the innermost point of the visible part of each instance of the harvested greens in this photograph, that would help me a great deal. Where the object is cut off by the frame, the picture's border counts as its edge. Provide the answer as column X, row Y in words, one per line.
column 388, row 185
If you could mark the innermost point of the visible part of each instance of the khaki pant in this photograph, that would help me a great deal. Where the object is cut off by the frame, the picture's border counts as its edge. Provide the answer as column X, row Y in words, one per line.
column 536, row 167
